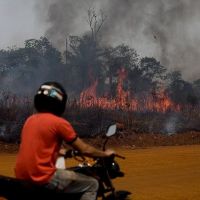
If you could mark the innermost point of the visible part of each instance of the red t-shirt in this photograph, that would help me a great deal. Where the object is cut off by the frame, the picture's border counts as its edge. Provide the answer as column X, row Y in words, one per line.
column 41, row 139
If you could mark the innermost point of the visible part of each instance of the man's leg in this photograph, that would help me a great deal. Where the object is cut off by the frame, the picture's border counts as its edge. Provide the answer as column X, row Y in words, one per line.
column 72, row 182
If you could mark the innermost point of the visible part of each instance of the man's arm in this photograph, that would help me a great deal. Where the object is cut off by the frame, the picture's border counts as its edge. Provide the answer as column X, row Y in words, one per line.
column 89, row 150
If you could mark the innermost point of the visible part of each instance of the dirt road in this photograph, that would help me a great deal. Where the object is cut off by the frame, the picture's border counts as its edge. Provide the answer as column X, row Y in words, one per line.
column 161, row 173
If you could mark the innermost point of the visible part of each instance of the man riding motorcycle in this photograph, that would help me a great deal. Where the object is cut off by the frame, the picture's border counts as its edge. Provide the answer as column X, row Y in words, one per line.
column 41, row 139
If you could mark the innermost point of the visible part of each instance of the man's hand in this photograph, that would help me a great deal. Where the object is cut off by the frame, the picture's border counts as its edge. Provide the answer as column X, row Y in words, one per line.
column 109, row 152
column 62, row 152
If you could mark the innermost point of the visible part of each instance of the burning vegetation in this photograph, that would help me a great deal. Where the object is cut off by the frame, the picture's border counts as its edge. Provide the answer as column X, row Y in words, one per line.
column 155, row 102
column 105, row 84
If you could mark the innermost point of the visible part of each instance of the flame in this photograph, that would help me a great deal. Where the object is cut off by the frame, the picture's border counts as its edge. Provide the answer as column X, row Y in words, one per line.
column 158, row 101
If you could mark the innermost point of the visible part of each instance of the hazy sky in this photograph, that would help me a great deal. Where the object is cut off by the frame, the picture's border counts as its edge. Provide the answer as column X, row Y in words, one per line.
column 18, row 22
column 168, row 30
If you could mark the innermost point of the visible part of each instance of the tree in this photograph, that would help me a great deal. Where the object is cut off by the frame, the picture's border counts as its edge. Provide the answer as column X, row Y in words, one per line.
column 180, row 91
column 115, row 59
column 152, row 69
column 196, row 88
column 147, row 75
column 27, row 67
column 84, row 55
column 95, row 22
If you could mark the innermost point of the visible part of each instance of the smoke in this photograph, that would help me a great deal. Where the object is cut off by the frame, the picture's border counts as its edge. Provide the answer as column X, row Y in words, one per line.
column 64, row 18
column 165, row 29
column 170, row 126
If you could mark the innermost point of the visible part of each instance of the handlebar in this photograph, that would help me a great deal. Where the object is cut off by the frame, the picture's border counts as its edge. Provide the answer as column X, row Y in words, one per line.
column 71, row 153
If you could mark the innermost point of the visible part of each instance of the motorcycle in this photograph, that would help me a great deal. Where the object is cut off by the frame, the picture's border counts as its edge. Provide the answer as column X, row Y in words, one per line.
column 103, row 169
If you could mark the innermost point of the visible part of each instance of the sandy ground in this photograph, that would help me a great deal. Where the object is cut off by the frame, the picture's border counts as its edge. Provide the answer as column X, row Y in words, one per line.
column 160, row 173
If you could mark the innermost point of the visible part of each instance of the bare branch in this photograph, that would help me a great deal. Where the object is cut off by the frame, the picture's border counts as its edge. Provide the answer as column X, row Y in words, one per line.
column 95, row 21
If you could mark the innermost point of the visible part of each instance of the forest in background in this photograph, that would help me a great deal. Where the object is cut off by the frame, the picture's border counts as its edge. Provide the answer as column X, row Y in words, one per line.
column 87, row 62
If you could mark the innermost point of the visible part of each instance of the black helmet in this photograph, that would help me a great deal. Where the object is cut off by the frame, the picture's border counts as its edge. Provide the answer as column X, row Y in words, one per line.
column 51, row 97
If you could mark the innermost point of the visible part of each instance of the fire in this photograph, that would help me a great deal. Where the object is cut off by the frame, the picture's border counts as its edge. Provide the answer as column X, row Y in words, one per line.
column 158, row 101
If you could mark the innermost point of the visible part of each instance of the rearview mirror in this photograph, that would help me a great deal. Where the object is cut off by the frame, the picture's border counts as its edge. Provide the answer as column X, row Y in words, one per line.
column 111, row 130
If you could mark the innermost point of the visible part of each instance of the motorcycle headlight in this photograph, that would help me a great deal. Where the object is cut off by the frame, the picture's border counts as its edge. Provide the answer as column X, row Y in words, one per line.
column 114, row 170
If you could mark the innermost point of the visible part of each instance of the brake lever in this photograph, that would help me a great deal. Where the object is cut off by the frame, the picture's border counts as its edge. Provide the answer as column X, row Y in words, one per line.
column 119, row 156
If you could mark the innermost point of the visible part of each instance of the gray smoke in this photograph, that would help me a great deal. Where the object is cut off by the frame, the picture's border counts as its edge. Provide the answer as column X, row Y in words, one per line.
column 64, row 18
column 170, row 127
column 165, row 29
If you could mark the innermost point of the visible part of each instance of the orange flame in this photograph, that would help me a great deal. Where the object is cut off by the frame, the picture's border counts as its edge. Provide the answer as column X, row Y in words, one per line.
column 158, row 102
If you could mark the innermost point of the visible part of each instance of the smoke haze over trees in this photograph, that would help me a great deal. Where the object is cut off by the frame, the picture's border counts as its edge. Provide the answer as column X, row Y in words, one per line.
column 87, row 58
column 167, row 30
column 149, row 43
column 92, row 56
column 87, row 61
